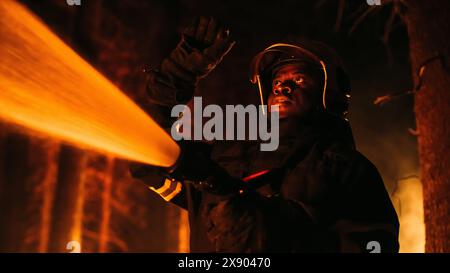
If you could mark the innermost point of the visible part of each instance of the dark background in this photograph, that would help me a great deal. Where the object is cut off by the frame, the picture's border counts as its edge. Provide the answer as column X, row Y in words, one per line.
column 120, row 38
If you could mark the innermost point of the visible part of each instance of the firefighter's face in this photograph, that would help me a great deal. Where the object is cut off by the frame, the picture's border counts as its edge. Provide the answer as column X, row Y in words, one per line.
column 293, row 90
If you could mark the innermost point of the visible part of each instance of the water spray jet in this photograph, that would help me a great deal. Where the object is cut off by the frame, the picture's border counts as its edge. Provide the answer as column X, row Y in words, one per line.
column 47, row 87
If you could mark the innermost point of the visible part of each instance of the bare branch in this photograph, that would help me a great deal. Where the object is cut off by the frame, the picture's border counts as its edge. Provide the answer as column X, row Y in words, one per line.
column 361, row 18
column 388, row 27
column 420, row 72
column 339, row 15
column 319, row 4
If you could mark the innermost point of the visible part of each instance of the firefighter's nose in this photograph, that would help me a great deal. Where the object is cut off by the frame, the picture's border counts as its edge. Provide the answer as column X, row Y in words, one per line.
column 283, row 90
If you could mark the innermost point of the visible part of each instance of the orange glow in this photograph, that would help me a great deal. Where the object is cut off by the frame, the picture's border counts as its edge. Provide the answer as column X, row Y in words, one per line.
column 183, row 232
column 76, row 233
column 47, row 87
column 408, row 202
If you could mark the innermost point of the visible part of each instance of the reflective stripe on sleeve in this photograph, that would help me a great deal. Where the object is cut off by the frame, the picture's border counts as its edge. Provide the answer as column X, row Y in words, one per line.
column 169, row 190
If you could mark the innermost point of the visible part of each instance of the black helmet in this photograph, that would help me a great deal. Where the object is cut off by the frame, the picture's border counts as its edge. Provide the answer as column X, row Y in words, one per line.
column 336, row 83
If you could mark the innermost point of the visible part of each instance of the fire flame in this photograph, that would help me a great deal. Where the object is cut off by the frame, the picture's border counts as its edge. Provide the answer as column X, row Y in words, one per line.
column 408, row 201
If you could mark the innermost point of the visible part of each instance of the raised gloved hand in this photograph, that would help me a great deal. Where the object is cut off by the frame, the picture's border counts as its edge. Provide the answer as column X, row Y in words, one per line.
column 202, row 47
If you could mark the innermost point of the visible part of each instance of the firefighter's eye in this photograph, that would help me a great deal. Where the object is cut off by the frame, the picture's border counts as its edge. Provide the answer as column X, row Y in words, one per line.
column 299, row 80
column 276, row 83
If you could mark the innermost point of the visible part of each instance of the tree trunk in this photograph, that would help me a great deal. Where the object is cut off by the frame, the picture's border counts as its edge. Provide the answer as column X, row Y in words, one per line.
column 67, row 202
column 428, row 28
column 13, row 199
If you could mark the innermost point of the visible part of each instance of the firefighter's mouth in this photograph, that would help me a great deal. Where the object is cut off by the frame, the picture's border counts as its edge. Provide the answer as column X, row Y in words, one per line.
column 282, row 102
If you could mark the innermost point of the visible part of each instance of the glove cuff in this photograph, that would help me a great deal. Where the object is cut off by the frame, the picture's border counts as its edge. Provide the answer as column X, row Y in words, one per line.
column 166, row 89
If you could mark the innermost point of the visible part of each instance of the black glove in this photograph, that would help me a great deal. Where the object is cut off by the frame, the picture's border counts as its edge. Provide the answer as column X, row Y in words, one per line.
column 203, row 45
column 151, row 176
column 194, row 166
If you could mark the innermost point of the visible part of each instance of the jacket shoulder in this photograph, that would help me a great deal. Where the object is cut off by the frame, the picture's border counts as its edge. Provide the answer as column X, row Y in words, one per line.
column 349, row 163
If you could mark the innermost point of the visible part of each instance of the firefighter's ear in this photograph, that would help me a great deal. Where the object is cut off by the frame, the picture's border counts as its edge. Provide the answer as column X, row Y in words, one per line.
column 338, row 101
column 343, row 81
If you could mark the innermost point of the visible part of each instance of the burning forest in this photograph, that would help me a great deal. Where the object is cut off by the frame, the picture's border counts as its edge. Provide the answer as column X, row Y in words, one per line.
column 76, row 110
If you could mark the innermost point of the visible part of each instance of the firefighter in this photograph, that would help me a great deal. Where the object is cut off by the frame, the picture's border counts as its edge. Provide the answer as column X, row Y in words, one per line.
column 315, row 193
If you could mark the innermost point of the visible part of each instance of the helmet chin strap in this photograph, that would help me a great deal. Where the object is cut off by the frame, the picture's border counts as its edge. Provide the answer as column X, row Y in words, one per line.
column 325, row 81
column 258, row 79
column 309, row 53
